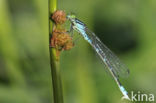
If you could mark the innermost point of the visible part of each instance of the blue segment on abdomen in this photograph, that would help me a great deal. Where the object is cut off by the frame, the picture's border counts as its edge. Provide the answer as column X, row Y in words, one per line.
column 81, row 30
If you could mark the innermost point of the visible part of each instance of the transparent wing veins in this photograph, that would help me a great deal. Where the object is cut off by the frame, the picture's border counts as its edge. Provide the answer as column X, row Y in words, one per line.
column 109, row 58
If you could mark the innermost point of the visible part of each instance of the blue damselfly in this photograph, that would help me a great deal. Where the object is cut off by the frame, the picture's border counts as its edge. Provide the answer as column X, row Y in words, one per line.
column 114, row 65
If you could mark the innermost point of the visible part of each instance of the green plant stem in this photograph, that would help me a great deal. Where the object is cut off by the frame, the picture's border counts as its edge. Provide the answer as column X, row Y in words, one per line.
column 54, row 60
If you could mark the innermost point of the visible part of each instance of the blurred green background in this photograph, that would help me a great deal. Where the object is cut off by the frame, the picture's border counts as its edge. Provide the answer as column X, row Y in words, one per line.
column 128, row 27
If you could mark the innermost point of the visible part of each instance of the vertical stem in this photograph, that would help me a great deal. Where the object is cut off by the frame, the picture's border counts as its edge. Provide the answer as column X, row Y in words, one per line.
column 54, row 60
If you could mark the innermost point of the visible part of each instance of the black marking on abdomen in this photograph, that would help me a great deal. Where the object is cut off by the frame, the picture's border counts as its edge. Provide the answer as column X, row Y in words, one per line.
column 79, row 22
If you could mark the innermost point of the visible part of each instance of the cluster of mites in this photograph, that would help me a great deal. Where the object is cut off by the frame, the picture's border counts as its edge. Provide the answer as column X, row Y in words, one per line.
column 60, row 40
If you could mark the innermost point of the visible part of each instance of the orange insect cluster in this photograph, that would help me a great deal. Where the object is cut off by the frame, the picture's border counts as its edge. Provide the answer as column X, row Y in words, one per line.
column 60, row 40
column 59, row 17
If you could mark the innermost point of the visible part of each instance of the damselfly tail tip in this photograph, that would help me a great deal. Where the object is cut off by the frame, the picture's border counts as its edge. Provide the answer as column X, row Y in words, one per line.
column 126, row 97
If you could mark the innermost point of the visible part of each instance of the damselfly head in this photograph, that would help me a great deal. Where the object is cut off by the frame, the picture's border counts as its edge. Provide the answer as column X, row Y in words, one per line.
column 71, row 16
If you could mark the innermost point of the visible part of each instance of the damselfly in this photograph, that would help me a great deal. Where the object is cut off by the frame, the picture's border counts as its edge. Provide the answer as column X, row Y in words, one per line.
column 114, row 65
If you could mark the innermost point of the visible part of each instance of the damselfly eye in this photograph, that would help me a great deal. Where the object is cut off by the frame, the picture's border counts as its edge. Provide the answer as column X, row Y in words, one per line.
column 71, row 16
